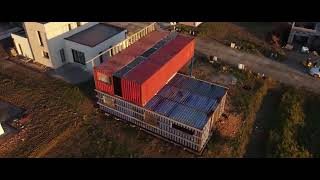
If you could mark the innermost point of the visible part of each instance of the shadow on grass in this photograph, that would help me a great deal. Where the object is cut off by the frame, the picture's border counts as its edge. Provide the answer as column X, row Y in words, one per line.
column 265, row 117
column 311, row 130
column 88, row 89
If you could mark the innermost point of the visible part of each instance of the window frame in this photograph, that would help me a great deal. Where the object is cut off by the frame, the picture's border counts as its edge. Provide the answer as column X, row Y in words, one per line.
column 62, row 55
column 78, row 54
column 45, row 54
column 182, row 129
column 40, row 38
column 106, row 79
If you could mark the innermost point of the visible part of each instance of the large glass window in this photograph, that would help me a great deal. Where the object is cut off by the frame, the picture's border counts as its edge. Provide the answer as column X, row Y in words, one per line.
column 104, row 78
column 78, row 57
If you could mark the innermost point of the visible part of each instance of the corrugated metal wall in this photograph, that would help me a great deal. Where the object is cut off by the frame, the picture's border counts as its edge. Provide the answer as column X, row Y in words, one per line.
column 163, row 127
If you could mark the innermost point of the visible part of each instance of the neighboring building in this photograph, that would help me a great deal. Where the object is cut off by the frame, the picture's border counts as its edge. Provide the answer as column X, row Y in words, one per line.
column 54, row 44
column 192, row 24
column 22, row 45
column 305, row 34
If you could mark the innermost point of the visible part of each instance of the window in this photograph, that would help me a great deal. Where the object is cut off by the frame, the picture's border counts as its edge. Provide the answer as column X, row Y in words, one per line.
column 111, row 51
column 45, row 54
column 63, row 57
column 21, row 52
column 40, row 38
column 104, row 78
column 69, row 26
column 78, row 57
column 182, row 129
column 78, row 24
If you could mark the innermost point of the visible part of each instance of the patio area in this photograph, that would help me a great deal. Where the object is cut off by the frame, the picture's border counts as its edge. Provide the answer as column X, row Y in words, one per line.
column 71, row 73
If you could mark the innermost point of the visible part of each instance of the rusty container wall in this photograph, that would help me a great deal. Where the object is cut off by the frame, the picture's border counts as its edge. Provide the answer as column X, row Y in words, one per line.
column 160, row 78
column 143, row 82
column 131, row 91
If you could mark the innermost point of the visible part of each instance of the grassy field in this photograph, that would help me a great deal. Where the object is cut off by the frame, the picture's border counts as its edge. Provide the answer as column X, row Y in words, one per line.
column 251, row 37
column 66, row 123
column 296, row 131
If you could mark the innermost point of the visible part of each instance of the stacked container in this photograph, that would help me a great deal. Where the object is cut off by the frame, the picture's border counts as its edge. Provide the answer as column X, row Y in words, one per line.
column 143, row 82
column 117, row 62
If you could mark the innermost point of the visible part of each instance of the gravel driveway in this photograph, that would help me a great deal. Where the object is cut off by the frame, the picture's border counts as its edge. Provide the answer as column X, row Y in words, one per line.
column 278, row 71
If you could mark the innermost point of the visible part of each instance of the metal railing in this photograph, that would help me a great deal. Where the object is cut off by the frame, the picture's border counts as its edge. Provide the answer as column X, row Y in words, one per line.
column 125, row 43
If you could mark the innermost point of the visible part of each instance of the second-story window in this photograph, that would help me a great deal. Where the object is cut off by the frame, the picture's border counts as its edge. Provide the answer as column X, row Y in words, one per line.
column 40, row 38
column 45, row 54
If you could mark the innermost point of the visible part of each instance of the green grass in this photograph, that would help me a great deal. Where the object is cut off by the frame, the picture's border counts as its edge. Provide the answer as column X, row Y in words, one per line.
column 292, row 136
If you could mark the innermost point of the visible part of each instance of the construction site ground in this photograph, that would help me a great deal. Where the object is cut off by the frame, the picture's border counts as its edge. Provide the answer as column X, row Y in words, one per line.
column 67, row 123
column 288, row 71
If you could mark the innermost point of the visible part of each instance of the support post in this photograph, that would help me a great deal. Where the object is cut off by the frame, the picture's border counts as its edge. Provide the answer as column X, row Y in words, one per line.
column 191, row 66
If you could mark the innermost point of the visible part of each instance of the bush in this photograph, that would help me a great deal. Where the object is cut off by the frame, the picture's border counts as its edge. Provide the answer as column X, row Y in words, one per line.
column 284, row 138
column 249, row 104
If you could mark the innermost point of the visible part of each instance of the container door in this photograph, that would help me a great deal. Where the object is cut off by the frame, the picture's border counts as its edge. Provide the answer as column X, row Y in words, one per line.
column 117, row 86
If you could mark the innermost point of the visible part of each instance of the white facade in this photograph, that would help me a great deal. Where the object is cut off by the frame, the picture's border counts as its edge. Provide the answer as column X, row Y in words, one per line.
column 45, row 41
column 91, row 52
column 22, row 45
column 52, row 36
column 56, row 32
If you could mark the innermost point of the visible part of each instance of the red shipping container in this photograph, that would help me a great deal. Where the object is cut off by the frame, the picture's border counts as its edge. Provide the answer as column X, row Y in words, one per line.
column 123, row 58
column 143, row 82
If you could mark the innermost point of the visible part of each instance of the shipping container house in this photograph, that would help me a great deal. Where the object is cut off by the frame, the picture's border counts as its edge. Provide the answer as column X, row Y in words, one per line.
column 183, row 111
column 139, row 72
column 104, row 72
column 141, row 83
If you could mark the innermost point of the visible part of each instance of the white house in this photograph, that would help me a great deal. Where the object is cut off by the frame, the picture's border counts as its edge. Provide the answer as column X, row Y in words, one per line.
column 87, row 44
column 54, row 44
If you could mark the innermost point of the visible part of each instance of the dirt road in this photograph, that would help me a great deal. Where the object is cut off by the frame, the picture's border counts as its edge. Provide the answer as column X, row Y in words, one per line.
column 278, row 71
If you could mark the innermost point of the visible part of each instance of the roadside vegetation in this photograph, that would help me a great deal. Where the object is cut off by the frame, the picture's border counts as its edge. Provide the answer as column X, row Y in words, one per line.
column 262, row 39
column 244, row 99
column 297, row 129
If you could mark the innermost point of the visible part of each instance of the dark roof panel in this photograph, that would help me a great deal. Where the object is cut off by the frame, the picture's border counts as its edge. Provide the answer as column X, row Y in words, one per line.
column 95, row 34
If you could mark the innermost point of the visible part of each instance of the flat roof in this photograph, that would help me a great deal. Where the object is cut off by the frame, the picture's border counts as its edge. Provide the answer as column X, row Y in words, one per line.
column 187, row 100
column 95, row 34
column 123, row 58
column 132, row 27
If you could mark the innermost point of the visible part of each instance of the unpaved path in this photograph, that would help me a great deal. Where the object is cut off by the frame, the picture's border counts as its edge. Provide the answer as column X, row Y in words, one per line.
column 278, row 71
